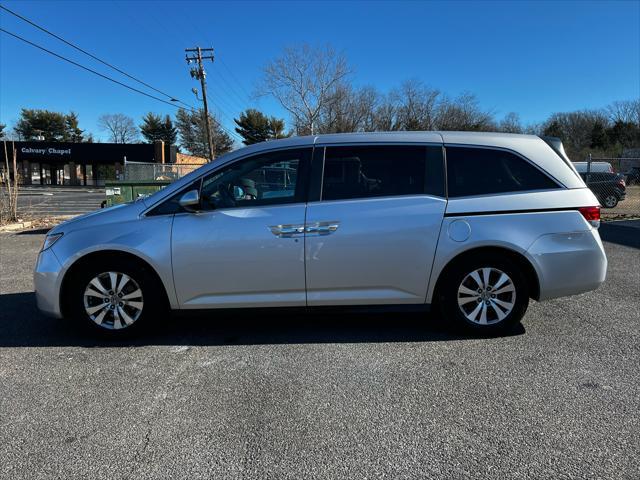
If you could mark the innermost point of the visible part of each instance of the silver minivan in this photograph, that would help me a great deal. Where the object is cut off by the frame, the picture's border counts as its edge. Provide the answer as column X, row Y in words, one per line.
column 477, row 223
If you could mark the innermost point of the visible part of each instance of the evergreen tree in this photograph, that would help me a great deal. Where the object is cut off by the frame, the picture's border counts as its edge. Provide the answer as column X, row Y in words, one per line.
column 72, row 133
column 276, row 128
column 253, row 126
column 193, row 137
column 152, row 127
column 169, row 132
column 53, row 126
column 599, row 136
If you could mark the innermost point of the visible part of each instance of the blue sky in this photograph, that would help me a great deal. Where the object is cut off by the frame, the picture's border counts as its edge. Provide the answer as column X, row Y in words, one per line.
column 533, row 58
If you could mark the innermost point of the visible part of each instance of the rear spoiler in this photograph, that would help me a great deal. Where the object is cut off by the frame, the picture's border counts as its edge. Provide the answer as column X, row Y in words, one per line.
column 556, row 145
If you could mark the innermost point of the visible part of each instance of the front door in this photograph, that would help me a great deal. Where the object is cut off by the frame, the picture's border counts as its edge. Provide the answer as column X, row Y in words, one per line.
column 371, row 238
column 245, row 246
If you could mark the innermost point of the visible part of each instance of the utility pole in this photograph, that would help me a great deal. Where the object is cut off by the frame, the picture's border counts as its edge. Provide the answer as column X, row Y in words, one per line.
column 199, row 74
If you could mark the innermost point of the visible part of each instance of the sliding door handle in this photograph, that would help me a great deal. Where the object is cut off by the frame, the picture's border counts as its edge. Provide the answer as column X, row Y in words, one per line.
column 284, row 231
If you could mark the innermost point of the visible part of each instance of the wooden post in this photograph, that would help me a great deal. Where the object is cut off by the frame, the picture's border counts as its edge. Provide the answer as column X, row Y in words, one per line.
column 8, row 172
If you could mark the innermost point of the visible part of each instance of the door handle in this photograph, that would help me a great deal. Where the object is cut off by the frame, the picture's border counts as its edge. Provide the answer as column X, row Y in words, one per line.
column 322, row 228
column 283, row 231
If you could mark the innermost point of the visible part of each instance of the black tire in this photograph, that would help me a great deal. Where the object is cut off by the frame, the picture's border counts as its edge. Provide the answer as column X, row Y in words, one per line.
column 460, row 271
column 153, row 301
column 610, row 201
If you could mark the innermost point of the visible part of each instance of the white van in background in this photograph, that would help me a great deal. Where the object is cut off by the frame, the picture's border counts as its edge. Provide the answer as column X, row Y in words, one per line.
column 582, row 167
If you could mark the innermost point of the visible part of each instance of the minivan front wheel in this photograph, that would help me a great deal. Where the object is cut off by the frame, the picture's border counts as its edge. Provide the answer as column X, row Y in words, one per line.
column 113, row 300
column 113, row 295
column 485, row 293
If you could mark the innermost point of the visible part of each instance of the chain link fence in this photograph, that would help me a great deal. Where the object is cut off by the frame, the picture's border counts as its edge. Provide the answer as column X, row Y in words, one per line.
column 616, row 184
column 140, row 172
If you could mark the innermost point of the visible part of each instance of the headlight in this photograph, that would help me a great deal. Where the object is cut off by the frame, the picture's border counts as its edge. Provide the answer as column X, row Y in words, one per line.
column 49, row 240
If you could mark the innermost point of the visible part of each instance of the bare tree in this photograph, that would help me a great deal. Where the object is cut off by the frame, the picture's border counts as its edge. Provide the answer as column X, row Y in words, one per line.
column 385, row 115
column 120, row 127
column 348, row 110
column 303, row 80
column 463, row 113
column 511, row 123
column 413, row 106
column 625, row 111
column 417, row 106
column 9, row 201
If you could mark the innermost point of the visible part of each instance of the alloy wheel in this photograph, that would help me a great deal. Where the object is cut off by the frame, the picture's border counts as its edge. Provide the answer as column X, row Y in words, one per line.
column 610, row 201
column 486, row 296
column 113, row 300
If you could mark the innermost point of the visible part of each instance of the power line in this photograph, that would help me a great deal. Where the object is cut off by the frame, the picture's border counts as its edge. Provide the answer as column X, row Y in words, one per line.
column 234, row 100
column 30, row 22
column 88, row 69
column 218, row 103
column 235, row 78
column 106, row 77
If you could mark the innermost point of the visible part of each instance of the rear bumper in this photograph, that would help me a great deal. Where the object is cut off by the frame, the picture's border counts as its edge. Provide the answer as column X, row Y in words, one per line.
column 46, row 283
column 568, row 263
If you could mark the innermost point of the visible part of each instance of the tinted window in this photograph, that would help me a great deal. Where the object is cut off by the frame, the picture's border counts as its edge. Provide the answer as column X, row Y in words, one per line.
column 376, row 171
column 267, row 179
column 483, row 171
column 600, row 177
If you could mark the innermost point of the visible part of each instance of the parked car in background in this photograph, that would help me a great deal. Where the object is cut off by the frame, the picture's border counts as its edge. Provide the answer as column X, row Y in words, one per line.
column 633, row 176
column 609, row 188
column 476, row 223
column 583, row 167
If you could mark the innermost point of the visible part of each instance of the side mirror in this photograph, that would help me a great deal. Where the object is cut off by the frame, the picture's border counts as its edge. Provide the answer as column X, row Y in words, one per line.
column 190, row 200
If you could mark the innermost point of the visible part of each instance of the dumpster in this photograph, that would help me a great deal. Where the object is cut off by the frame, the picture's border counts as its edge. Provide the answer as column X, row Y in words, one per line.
column 127, row 191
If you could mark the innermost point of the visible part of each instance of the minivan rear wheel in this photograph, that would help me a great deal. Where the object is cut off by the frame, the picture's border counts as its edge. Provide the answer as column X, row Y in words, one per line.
column 485, row 293
column 113, row 296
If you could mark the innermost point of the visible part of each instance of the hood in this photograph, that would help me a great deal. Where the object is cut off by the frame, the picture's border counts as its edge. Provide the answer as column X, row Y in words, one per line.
column 116, row 213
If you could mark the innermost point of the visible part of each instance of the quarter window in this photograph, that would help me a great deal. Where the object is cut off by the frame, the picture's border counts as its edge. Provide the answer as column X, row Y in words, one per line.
column 377, row 171
column 485, row 171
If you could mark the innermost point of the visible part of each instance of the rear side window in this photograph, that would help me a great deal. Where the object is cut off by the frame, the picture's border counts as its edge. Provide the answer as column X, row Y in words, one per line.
column 484, row 171
column 380, row 171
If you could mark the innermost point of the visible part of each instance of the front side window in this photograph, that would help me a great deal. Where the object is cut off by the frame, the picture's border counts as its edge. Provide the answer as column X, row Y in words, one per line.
column 267, row 179
column 384, row 170
column 485, row 171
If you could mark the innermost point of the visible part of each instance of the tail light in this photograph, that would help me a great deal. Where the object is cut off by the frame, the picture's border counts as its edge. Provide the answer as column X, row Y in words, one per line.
column 591, row 215
column 622, row 183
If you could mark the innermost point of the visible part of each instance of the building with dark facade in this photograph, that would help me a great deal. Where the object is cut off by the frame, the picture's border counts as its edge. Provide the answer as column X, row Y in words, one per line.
column 58, row 163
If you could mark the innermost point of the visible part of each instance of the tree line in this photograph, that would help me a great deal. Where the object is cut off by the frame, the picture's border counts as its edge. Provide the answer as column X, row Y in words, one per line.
column 313, row 84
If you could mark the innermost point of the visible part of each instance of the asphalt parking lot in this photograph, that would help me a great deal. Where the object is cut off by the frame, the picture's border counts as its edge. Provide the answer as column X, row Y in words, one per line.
column 58, row 201
column 369, row 395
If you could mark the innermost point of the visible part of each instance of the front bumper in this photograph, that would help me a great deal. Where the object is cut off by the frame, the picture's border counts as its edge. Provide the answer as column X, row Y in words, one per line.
column 46, row 282
column 568, row 263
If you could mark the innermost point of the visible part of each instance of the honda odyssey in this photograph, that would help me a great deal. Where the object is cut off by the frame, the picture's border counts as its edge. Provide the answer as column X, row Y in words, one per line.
column 477, row 223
